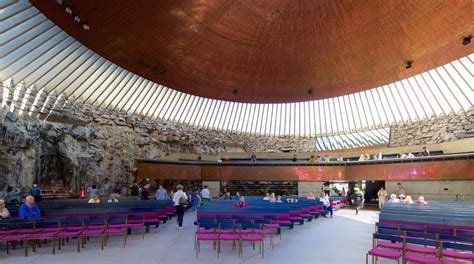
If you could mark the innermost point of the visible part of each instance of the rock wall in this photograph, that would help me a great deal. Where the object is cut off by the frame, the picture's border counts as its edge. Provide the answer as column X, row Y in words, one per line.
column 436, row 130
column 65, row 143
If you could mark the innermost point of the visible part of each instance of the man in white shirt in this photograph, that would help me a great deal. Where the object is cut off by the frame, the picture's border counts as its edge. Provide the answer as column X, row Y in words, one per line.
column 180, row 200
column 205, row 195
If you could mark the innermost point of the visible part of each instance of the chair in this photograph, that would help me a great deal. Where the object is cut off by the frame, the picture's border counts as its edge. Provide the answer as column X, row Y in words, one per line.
column 457, row 251
column 206, row 231
column 252, row 236
column 116, row 225
column 295, row 216
column 420, row 246
column 391, row 244
column 224, row 235
column 223, row 224
column 136, row 221
column 71, row 227
column 94, row 227
column 18, row 231
column 284, row 220
column 45, row 230
column 377, row 252
column 267, row 224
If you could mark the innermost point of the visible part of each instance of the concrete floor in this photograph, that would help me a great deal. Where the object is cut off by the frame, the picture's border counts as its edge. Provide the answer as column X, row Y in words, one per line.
column 342, row 239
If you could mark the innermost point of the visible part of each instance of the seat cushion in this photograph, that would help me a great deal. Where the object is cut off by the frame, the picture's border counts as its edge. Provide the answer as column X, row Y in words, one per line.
column 422, row 259
column 385, row 253
column 421, row 249
column 228, row 237
column 271, row 225
column 205, row 231
column 207, row 237
column 252, row 238
column 385, row 244
column 458, row 254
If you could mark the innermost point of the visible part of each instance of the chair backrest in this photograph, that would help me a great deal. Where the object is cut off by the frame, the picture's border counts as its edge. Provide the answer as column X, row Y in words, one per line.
column 227, row 225
column 117, row 219
column 284, row 217
column 421, row 235
column 250, row 226
column 225, row 221
column 421, row 241
column 393, row 238
column 273, row 217
column 439, row 230
column 207, row 225
column 207, row 221
column 465, row 233
column 457, row 246
column 390, row 232
column 451, row 238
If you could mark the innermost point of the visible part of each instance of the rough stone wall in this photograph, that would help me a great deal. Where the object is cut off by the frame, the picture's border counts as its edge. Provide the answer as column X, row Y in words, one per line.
column 65, row 143
column 436, row 130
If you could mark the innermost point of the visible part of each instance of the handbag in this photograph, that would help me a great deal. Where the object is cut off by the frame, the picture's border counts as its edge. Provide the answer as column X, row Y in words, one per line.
column 182, row 201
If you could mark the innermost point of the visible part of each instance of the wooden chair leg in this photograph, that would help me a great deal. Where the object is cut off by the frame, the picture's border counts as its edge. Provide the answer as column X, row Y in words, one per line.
column 25, row 244
column 53, row 241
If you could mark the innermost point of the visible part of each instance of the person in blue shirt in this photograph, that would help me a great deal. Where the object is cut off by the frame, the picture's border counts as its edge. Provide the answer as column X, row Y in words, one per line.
column 29, row 210
column 161, row 194
column 36, row 192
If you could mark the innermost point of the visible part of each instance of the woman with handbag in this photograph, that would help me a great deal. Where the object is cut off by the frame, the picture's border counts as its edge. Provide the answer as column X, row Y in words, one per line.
column 180, row 201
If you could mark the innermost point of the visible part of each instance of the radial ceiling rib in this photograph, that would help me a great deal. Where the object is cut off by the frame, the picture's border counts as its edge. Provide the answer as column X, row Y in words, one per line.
column 37, row 52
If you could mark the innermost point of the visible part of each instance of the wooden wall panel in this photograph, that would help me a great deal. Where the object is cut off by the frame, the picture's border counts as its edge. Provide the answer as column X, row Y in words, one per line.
column 428, row 170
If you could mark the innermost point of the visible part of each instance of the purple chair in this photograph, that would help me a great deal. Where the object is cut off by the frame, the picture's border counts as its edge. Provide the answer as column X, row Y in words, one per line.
column 377, row 252
column 252, row 237
column 206, row 231
column 231, row 236
column 136, row 221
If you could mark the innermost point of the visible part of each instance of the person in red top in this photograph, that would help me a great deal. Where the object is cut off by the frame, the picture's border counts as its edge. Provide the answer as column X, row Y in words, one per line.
column 421, row 200
column 241, row 203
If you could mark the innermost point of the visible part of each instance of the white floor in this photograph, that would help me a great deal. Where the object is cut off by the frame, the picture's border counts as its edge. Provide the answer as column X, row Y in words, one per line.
column 342, row 239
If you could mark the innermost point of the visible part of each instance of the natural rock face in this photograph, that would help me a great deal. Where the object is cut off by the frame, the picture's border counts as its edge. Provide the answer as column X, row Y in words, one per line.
column 436, row 130
column 57, row 143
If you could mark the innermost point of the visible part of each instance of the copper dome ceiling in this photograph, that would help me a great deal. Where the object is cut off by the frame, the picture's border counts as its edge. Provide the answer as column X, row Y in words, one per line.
column 271, row 51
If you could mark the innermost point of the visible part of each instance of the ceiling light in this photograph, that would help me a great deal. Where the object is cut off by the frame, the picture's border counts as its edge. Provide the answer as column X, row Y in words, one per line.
column 466, row 40
column 77, row 19
column 68, row 10
column 60, row 2
column 85, row 26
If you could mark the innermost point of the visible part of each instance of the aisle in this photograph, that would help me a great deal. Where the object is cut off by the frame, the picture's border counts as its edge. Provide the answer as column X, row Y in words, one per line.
column 342, row 239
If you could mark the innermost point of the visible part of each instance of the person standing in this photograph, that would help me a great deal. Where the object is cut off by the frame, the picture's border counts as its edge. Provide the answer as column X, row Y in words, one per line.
column 401, row 190
column 92, row 191
column 382, row 195
column 357, row 197
column 36, row 192
column 327, row 204
column 29, row 210
column 144, row 193
column 180, row 200
column 205, row 195
column 161, row 193
column 195, row 199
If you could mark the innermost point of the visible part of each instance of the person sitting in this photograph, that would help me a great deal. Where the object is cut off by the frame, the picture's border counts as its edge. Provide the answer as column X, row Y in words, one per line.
column 410, row 155
column 4, row 213
column 408, row 200
column 242, row 203
column 29, row 210
column 267, row 197
column 318, row 158
column 458, row 198
column 327, row 204
column 295, row 158
column 227, row 196
column 113, row 198
column 13, row 196
column 393, row 198
column 312, row 159
column 327, row 158
column 421, row 200
column 362, row 157
column 311, row 196
column 94, row 199
column 425, row 152
column 253, row 157
column 237, row 195
column 92, row 191
column 278, row 199
column 380, row 157
column 144, row 193
column 272, row 198
column 401, row 197
column 340, row 158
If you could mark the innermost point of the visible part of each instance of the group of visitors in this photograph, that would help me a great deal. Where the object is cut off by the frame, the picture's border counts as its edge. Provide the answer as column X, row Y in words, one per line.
column 365, row 157
column 272, row 198
column 28, row 210
column 400, row 197
column 326, row 158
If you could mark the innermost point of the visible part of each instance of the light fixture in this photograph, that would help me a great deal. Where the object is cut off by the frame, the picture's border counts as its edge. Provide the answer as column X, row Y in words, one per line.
column 77, row 19
column 408, row 64
column 60, row 2
column 68, row 10
column 85, row 26
column 466, row 40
